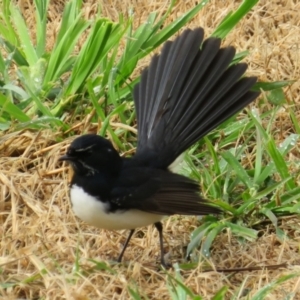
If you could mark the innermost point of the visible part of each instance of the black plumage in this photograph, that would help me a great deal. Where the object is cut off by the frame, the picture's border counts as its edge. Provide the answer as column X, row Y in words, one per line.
column 187, row 91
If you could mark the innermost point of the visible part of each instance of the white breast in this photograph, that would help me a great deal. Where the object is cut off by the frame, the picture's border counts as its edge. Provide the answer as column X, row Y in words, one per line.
column 94, row 212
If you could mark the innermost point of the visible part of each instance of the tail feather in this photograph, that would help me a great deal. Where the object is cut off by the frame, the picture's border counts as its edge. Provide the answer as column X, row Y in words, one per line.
column 187, row 91
column 213, row 116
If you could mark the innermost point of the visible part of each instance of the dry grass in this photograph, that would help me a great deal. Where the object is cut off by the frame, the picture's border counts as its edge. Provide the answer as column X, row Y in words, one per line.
column 42, row 240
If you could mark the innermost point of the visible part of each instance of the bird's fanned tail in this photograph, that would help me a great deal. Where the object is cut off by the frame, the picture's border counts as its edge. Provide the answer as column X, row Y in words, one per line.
column 187, row 91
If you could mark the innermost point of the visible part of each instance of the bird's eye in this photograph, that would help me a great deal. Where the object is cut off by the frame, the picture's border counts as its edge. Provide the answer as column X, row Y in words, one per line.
column 71, row 152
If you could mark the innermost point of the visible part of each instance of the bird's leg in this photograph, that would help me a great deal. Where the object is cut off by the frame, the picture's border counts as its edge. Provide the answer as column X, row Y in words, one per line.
column 125, row 245
column 159, row 227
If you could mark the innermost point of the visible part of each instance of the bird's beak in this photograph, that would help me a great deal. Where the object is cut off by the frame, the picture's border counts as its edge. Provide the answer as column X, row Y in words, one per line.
column 66, row 157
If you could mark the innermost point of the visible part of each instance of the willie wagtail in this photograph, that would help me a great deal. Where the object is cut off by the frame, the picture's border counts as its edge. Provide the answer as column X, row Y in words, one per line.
column 187, row 90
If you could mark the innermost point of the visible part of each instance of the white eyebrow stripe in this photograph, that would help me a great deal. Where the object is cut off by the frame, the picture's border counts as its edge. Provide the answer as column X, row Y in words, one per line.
column 84, row 149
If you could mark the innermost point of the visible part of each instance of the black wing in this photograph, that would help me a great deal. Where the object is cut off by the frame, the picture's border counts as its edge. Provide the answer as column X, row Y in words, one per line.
column 159, row 192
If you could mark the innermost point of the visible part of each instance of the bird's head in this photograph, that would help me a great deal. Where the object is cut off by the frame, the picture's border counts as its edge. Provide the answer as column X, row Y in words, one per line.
column 91, row 154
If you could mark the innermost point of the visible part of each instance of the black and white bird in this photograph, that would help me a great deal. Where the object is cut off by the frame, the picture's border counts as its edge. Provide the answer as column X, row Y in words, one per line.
column 187, row 91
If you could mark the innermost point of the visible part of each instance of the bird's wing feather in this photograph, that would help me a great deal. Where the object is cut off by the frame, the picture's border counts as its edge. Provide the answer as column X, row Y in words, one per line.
column 159, row 192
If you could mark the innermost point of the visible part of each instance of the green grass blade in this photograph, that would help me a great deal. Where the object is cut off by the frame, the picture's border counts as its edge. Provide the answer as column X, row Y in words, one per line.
column 239, row 57
column 33, row 92
column 216, row 167
column 101, row 115
column 271, row 216
column 177, row 288
column 5, row 34
column 224, row 206
column 288, row 144
column 23, row 35
column 269, row 86
column 72, row 12
column 17, row 56
column 108, row 66
column 264, row 291
column 16, row 89
column 95, row 100
column 212, row 174
column 32, row 76
column 3, row 69
column 242, row 231
column 160, row 22
column 205, row 249
column 276, row 96
column 12, row 109
column 220, row 295
column 280, row 163
column 134, row 294
column 41, row 22
column 259, row 148
column 238, row 168
column 208, row 179
column 233, row 18
column 270, row 189
column 241, row 290
column 71, row 28
column 60, row 54
column 103, row 37
column 7, row 29
column 197, row 236
column 172, row 28
column 290, row 196
column 265, row 173
column 134, row 48
column 42, row 122
column 276, row 154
